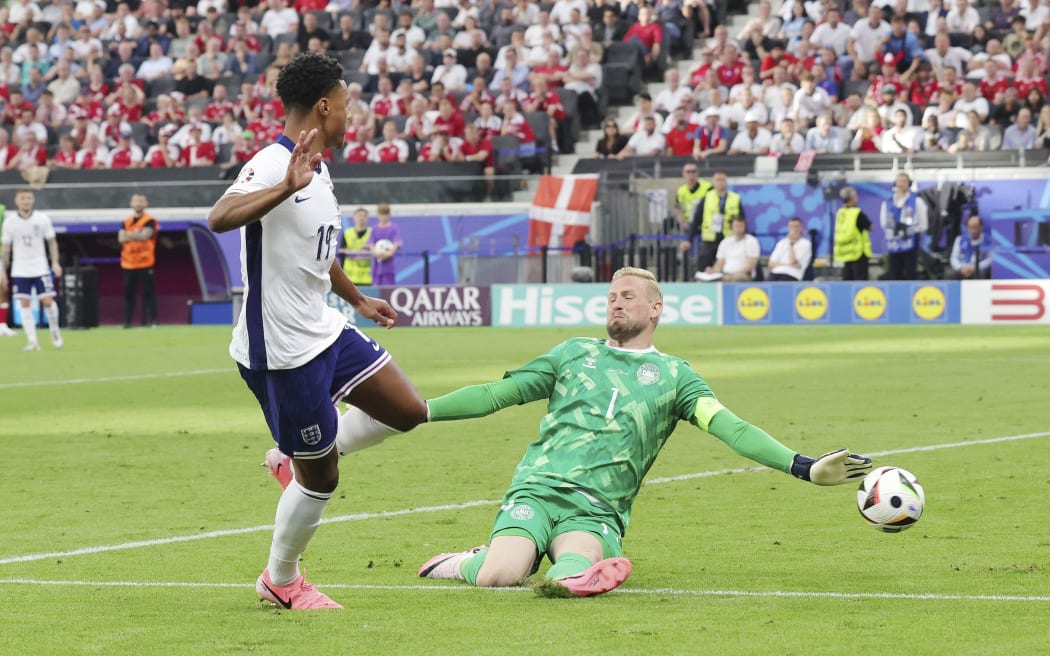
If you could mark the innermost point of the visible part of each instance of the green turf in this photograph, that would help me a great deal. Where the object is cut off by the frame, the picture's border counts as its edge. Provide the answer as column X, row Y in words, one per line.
column 160, row 439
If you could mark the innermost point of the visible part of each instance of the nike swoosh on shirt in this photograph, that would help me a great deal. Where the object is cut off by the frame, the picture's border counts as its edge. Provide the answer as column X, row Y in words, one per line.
column 286, row 604
column 300, row 200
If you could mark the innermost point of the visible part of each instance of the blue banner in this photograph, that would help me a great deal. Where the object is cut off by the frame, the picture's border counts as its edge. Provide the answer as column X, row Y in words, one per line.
column 841, row 303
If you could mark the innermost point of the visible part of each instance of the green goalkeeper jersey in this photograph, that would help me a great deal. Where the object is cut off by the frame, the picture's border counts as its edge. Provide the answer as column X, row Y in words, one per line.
column 610, row 412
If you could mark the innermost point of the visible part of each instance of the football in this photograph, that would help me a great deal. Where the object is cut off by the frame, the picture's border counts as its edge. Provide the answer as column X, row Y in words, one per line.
column 384, row 247
column 891, row 499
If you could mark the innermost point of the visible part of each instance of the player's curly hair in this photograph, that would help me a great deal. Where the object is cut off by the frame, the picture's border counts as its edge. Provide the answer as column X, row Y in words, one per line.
column 308, row 78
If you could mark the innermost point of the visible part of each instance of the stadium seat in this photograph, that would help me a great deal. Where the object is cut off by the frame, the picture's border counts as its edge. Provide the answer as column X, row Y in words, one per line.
column 288, row 37
column 858, row 86
column 160, row 85
column 324, row 20
column 540, row 160
column 357, row 19
column 622, row 72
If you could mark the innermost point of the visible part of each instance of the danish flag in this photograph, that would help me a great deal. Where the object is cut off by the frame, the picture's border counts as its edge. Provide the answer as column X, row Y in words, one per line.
column 560, row 214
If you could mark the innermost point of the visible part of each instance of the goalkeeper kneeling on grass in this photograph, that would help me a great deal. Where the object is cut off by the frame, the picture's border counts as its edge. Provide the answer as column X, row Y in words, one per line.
column 612, row 404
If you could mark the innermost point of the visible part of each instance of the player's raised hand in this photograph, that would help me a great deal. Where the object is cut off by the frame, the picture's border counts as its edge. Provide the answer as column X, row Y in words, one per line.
column 838, row 467
column 377, row 310
column 302, row 165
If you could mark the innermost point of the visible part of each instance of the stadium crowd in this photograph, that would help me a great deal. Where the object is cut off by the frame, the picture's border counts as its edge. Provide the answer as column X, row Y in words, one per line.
column 99, row 84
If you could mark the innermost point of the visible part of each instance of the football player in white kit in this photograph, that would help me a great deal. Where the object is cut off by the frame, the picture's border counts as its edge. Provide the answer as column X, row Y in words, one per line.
column 297, row 355
column 24, row 237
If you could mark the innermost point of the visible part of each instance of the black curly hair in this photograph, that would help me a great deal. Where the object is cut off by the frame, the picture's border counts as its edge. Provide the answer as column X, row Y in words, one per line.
column 308, row 78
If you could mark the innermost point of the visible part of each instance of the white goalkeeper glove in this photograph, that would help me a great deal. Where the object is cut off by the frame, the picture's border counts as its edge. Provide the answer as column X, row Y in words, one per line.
column 833, row 468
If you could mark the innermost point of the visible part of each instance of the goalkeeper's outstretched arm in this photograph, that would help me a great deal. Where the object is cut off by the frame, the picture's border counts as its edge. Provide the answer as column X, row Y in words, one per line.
column 750, row 441
column 475, row 401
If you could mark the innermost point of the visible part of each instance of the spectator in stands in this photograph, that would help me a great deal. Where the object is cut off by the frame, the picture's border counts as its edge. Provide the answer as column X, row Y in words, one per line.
column 810, row 102
column 392, row 148
column 92, row 155
column 450, row 73
column 10, row 72
column 792, row 23
column 513, row 69
column 825, row 137
column 646, row 109
column 973, row 137
column 671, row 97
column 244, row 148
column 890, row 105
column 130, row 100
column 787, row 141
column 181, row 41
column 962, row 18
column 489, row 124
column 866, row 38
column 442, row 147
column 64, row 87
column 756, row 44
column 448, row 118
column 516, row 125
column 903, row 45
column 611, row 29
column 192, row 85
column 126, row 153
column 552, row 69
column 400, row 55
column 647, row 141
column 375, row 55
column 747, row 81
column 212, row 61
column 32, row 153
column 753, row 139
column 679, row 134
column 798, row 46
column 360, row 149
column 646, row 34
column 777, row 59
column 971, row 255
column 905, row 220
column 970, row 101
column 49, row 113
column 279, row 19
column 944, row 55
column 164, row 153
column 1042, row 129
column 737, row 255
column 66, row 157
column 1033, row 100
column 791, row 255
column 34, row 87
column 308, row 29
column 8, row 152
column 612, row 142
column 585, row 78
column 1020, row 135
column 419, row 123
column 199, row 151
column 746, row 102
column 834, row 34
column 711, row 138
column 1002, row 16
column 543, row 99
column 1015, row 42
column 900, row 137
column 227, row 131
column 867, row 138
column 933, row 138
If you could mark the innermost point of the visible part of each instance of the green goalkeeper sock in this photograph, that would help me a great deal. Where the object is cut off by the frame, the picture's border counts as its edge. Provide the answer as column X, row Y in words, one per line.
column 470, row 567
column 568, row 564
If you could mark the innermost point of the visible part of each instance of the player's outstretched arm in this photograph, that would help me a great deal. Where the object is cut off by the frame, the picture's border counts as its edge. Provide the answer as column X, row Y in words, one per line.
column 752, row 442
column 236, row 210
column 474, row 401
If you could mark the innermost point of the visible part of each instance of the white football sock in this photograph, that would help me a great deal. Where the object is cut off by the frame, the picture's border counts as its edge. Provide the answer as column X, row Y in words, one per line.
column 28, row 323
column 298, row 515
column 52, row 317
column 358, row 431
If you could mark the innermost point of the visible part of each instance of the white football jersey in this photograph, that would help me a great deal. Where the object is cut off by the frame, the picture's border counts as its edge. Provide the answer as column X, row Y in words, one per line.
column 28, row 238
column 285, row 259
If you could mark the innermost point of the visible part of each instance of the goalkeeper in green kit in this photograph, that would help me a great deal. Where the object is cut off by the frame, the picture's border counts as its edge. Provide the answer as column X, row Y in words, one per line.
column 611, row 406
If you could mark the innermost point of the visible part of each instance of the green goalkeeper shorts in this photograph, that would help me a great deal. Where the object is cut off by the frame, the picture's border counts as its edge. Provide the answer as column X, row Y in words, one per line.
column 543, row 513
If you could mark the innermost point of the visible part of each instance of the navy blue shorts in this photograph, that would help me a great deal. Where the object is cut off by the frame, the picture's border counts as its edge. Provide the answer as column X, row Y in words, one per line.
column 299, row 404
column 43, row 285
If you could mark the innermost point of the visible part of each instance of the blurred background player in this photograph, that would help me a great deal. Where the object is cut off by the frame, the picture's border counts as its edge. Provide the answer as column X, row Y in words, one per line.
column 24, row 236
column 5, row 330
column 138, row 254
column 383, row 268
column 612, row 404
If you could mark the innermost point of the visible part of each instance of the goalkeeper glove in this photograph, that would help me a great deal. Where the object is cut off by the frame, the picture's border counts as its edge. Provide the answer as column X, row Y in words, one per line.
column 834, row 468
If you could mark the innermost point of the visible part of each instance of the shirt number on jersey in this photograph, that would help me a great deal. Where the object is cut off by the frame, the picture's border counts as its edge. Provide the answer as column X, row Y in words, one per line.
column 324, row 239
column 612, row 402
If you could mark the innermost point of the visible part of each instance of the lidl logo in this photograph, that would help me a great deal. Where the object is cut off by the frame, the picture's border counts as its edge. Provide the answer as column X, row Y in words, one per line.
column 869, row 303
column 753, row 304
column 928, row 303
column 811, row 303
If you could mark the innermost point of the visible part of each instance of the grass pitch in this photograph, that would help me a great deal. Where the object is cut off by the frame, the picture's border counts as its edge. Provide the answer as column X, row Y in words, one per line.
column 136, row 517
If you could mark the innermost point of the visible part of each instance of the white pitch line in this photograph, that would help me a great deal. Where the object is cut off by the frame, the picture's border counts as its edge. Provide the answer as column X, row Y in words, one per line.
column 458, row 506
column 795, row 594
column 114, row 379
